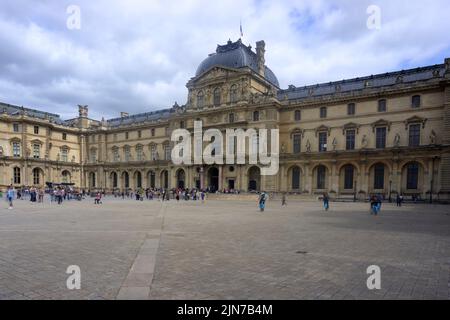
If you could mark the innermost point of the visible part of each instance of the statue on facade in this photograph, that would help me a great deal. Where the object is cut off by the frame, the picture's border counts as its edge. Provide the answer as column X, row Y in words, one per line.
column 308, row 146
column 397, row 140
column 283, row 148
column 364, row 141
column 83, row 111
column 334, row 144
column 1, row 151
column 433, row 137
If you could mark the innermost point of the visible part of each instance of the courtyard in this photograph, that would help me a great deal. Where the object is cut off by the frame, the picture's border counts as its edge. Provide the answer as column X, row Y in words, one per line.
column 222, row 249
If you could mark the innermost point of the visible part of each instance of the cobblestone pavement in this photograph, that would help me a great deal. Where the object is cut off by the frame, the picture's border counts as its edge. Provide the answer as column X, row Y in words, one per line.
column 223, row 250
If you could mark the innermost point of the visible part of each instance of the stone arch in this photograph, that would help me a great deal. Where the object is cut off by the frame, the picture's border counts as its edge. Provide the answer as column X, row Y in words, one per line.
column 137, row 179
column 66, row 176
column 320, row 177
column 164, row 175
column 254, row 178
column 125, row 178
column 37, row 176
column 413, row 177
column 378, row 177
column 348, row 174
column 151, row 179
column 114, row 180
column 295, row 178
column 181, row 178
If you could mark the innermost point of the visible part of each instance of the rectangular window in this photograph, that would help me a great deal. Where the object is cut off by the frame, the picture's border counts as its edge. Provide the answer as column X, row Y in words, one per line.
column 297, row 115
column 297, row 138
column 412, row 176
column 414, row 135
column 126, row 135
column 15, row 127
column 350, row 140
column 64, row 136
column 139, row 134
column 36, row 151
column 167, row 152
column 323, row 141
column 139, row 154
column 382, row 105
column 153, row 132
column 381, row 138
column 64, row 155
column 36, row 129
column 16, row 175
column 16, row 149
column 153, row 152
column 348, row 177
column 415, row 101
column 127, row 154
column 351, row 109
column 116, row 155
column 323, row 112
column 93, row 156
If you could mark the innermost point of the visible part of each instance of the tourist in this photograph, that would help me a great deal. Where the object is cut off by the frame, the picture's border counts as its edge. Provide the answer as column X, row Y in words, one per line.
column 203, row 195
column 283, row 200
column 10, row 196
column 41, row 195
column 262, row 201
column 98, row 197
column 326, row 201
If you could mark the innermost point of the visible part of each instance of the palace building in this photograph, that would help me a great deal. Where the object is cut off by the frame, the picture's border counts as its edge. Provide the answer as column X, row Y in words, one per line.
column 387, row 134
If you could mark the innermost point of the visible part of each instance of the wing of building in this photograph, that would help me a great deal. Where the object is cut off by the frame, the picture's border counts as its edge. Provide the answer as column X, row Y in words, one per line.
column 380, row 134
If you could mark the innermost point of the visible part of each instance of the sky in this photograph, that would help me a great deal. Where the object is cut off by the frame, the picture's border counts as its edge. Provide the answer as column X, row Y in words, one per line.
column 137, row 56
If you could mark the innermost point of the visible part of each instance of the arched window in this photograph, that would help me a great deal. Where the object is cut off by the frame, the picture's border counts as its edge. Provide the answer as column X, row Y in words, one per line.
column 114, row 179
column 200, row 99
column 321, row 174
column 348, row 177
column 297, row 115
column 138, row 180
column 92, row 179
column 217, row 96
column 255, row 115
column 295, row 178
column 65, row 176
column 126, row 180
column 234, row 93
column 152, row 179
column 16, row 175
column 36, row 176
column 412, row 176
column 378, row 182
column 127, row 152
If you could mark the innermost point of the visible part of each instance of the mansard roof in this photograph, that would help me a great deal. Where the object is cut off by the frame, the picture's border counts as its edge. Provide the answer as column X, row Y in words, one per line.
column 373, row 81
column 16, row 110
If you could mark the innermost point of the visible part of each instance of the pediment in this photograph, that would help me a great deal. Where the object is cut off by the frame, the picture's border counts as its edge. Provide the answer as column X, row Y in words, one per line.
column 323, row 128
column 214, row 73
column 415, row 119
column 381, row 123
column 350, row 125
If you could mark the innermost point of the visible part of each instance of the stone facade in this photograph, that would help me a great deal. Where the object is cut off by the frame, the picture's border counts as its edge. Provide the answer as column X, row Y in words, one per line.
column 384, row 134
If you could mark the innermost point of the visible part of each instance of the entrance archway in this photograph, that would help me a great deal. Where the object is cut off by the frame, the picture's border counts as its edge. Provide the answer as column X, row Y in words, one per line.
column 165, row 179
column 181, row 178
column 254, row 179
column 213, row 179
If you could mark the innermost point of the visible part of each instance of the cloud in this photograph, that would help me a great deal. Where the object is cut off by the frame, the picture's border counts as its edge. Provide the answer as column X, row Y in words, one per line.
column 137, row 55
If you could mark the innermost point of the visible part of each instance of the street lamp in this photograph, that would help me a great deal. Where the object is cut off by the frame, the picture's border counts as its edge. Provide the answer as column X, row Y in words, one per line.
column 354, row 193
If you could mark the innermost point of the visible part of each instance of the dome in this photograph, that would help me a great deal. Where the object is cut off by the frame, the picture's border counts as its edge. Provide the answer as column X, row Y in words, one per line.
column 235, row 55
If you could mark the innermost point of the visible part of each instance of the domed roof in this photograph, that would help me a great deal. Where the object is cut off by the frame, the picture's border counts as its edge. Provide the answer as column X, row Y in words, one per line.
column 235, row 55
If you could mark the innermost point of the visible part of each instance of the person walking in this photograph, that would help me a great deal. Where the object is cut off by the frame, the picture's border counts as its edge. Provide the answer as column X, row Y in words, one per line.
column 262, row 201
column 98, row 197
column 10, row 195
column 283, row 200
column 326, row 201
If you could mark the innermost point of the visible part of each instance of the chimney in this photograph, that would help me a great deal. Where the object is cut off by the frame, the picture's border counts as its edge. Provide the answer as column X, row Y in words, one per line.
column 260, row 50
column 124, row 114
column 447, row 67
